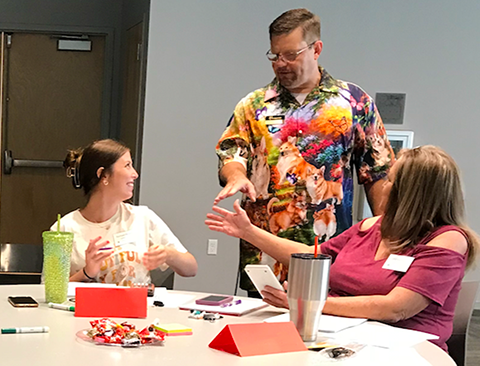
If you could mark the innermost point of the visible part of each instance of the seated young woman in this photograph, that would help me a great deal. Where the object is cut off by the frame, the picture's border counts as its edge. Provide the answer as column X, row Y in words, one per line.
column 423, row 219
column 115, row 242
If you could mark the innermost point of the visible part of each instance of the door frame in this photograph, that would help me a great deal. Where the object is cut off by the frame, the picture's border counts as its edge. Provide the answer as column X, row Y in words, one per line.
column 108, row 123
column 142, row 97
column 141, row 106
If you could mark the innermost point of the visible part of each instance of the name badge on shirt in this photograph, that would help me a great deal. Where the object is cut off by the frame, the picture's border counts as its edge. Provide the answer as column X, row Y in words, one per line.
column 274, row 120
column 125, row 238
column 399, row 263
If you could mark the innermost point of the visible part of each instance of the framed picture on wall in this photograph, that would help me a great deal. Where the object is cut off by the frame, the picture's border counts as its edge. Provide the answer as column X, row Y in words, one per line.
column 398, row 140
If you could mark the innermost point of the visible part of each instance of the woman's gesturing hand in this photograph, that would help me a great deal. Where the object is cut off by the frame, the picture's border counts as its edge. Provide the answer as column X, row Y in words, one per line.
column 231, row 223
column 156, row 255
column 94, row 256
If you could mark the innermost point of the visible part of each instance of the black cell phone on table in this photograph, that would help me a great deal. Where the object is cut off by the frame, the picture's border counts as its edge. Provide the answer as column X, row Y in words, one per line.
column 22, row 301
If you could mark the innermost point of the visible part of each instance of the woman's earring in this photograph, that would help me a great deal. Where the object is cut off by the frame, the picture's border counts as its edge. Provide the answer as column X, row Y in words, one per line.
column 105, row 182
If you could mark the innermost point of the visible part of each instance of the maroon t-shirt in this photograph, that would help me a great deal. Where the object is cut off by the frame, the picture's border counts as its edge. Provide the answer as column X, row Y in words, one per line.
column 436, row 273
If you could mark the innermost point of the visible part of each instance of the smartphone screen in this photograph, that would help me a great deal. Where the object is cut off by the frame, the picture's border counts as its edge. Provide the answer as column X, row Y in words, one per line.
column 22, row 301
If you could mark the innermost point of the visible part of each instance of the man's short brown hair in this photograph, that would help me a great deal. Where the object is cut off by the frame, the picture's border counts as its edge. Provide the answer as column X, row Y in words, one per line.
column 292, row 19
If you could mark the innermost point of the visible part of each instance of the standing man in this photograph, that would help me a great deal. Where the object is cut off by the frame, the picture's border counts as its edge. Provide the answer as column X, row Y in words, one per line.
column 291, row 146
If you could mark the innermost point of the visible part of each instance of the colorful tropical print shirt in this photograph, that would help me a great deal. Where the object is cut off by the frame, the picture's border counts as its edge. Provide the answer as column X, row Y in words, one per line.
column 300, row 159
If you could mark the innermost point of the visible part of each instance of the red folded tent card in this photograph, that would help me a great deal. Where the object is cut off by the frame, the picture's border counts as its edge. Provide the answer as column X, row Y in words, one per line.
column 254, row 339
column 111, row 302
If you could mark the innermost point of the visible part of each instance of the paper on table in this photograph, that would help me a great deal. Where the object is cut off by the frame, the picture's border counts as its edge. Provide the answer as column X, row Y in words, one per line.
column 284, row 317
column 370, row 355
column 73, row 285
column 245, row 307
column 392, row 357
column 170, row 300
column 381, row 335
column 328, row 323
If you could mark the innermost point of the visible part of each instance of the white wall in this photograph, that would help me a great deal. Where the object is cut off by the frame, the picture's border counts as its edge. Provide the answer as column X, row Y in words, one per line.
column 205, row 56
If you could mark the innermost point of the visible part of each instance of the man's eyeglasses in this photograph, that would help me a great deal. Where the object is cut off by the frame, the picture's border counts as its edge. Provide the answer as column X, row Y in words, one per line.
column 287, row 56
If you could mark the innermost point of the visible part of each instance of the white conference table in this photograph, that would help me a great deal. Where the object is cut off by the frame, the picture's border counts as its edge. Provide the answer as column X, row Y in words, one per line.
column 61, row 346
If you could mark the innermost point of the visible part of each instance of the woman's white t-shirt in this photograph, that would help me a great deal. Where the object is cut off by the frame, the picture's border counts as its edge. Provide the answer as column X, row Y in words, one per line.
column 130, row 232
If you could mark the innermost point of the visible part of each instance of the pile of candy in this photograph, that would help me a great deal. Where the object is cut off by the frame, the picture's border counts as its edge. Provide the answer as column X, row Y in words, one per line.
column 108, row 332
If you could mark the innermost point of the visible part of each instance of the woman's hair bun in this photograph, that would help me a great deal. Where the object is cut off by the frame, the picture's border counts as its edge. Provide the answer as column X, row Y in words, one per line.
column 72, row 166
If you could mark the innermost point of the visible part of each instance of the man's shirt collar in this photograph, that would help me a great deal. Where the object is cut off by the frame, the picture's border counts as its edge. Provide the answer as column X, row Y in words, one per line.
column 327, row 84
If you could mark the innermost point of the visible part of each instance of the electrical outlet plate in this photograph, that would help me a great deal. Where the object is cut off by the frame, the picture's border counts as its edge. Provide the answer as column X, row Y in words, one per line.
column 212, row 246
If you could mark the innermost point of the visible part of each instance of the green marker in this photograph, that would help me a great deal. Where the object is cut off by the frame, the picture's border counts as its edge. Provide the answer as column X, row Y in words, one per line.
column 25, row 330
column 61, row 306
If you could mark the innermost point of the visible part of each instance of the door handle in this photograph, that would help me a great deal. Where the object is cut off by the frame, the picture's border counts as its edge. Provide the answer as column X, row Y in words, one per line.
column 9, row 162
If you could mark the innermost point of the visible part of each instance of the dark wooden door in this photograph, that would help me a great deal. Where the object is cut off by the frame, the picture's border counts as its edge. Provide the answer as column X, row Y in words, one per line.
column 51, row 101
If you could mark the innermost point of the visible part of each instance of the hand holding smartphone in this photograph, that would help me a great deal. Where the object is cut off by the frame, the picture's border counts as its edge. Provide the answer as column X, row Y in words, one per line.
column 22, row 301
column 261, row 276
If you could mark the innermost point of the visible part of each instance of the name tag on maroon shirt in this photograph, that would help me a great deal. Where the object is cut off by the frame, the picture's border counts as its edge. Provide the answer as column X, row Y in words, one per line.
column 399, row 263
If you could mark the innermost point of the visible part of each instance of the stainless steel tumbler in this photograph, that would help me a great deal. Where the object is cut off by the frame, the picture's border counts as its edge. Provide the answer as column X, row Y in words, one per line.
column 307, row 291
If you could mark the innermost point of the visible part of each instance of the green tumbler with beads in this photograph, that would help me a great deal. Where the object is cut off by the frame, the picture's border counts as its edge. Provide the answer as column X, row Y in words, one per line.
column 57, row 250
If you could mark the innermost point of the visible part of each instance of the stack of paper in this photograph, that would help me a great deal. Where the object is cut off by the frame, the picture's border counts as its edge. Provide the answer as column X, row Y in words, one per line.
column 72, row 286
column 381, row 335
column 174, row 329
column 328, row 323
column 371, row 355
column 169, row 299
column 343, row 330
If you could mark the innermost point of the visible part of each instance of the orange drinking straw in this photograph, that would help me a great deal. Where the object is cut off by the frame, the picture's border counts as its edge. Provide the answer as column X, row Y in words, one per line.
column 316, row 247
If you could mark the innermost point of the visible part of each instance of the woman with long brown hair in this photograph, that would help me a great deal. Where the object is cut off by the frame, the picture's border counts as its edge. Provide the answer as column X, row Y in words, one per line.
column 423, row 220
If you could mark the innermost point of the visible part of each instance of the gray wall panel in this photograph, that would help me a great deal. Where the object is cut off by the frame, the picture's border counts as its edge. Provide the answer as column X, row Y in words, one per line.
column 205, row 56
